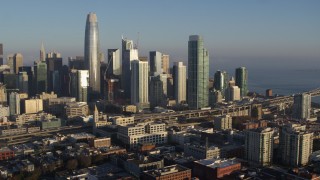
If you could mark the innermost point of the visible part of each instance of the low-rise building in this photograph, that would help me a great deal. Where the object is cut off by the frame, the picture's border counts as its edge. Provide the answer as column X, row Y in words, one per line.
column 200, row 151
column 6, row 153
column 176, row 172
column 122, row 121
column 129, row 109
column 100, row 142
column 207, row 169
column 76, row 109
column 52, row 123
column 142, row 163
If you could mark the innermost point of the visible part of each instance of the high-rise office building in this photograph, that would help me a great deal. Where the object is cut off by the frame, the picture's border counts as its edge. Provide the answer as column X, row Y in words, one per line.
column 14, row 103
column 156, row 95
column 3, row 94
column 296, row 145
column 76, row 63
column 54, row 65
column 15, row 61
column 180, row 82
column 139, row 83
column 42, row 53
column 79, row 84
column 30, row 73
column 165, row 59
column 1, row 54
column 164, row 79
column 23, row 82
column 259, row 146
column 221, row 80
column 40, row 72
column 91, row 53
column 129, row 53
column 242, row 80
column 302, row 106
column 114, row 63
column 155, row 63
column 198, row 73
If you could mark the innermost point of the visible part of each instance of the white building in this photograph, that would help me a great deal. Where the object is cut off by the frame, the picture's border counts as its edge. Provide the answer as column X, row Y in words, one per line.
column 132, row 135
column 180, row 82
column 122, row 121
column 235, row 94
column 259, row 146
column 83, row 84
column 296, row 145
column 223, row 122
column 139, row 83
column 14, row 103
column 302, row 106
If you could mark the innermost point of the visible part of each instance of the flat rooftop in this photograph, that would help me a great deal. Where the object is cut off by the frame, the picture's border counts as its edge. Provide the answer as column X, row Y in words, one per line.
column 217, row 163
column 167, row 170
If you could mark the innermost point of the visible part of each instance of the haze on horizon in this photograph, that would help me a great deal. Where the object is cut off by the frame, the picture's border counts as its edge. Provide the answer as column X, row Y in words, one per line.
column 237, row 33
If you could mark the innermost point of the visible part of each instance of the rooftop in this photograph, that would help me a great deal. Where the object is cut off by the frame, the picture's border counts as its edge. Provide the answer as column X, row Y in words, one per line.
column 166, row 170
column 217, row 163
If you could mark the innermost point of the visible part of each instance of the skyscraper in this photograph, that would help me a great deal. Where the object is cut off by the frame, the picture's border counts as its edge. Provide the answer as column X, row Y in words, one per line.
column 14, row 103
column 139, row 83
column 40, row 72
column 221, row 81
column 79, row 84
column 296, row 145
column 114, row 63
column 1, row 54
column 198, row 73
column 180, row 82
column 23, row 82
column 91, row 53
column 156, row 95
column 54, row 66
column 165, row 59
column 129, row 53
column 42, row 53
column 259, row 146
column 302, row 106
column 155, row 63
column 15, row 61
column 242, row 80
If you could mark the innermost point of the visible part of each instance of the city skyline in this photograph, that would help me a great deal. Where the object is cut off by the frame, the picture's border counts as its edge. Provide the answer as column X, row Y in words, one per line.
column 240, row 34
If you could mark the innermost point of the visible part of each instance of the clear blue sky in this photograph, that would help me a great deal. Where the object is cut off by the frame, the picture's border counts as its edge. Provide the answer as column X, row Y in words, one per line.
column 236, row 32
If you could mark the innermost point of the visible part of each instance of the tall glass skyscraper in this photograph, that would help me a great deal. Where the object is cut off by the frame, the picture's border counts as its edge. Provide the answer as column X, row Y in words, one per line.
column 198, row 73
column 242, row 80
column 91, row 53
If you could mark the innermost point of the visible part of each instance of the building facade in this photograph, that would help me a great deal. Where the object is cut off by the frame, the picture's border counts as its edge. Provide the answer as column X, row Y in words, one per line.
column 180, row 82
column 242, row 80
column 198, row 73
column 140, row 83
column 302, row 106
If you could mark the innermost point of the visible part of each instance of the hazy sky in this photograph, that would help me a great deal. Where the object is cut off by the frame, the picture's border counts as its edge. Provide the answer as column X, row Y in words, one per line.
column 253, row 33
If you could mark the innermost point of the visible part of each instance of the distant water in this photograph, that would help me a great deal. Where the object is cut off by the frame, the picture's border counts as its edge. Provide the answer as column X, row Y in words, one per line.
column 284, row 81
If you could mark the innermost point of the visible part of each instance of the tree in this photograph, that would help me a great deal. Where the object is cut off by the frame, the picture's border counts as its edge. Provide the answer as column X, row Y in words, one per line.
column 72, row 164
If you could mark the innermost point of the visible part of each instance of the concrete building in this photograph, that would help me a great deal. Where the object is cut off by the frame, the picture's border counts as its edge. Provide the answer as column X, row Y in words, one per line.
column 142, row 163
column 176, row 172
column 165, row 59
column 15, row 61
column 242, row 80
column 6, row 153
column 302, row 106
column 156, row 94
column 4, row 111
column 76, row 109
column 200, row 151
column 31, row 106
column 215, row 96
column 3, row 94
column 180, row 82
column 198, row 73
column 133, row 135
column 139, row 83
column 122, row 121
column 259, row 146
column 28, row 118
column 223, row 122
column 100, row 142
column 296, row 145
column 207, row 169
column 52, row 123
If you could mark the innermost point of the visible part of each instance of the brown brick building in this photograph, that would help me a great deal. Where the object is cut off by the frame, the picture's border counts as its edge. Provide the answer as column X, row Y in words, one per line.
column 6, row 153
column 208, row 169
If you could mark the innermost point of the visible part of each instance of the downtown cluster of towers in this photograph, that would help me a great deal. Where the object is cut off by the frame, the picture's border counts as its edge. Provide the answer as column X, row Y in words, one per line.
column 127, row 76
